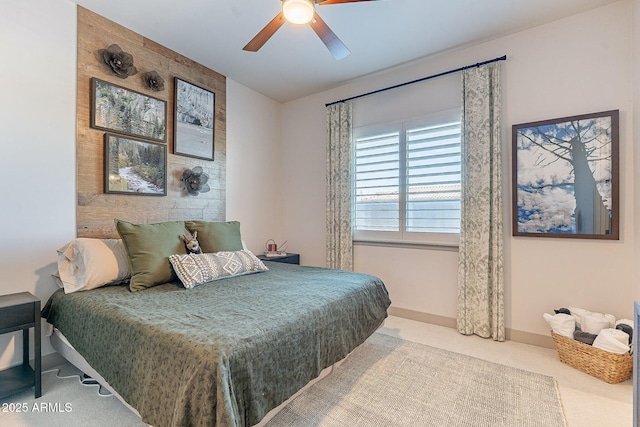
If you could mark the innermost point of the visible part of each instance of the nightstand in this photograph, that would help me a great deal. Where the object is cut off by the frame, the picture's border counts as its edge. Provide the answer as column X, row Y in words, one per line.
column 21, row 312
column 287, row 258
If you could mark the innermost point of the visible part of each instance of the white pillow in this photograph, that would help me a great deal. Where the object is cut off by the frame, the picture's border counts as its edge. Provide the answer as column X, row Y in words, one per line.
column 86, row 263
column 196, row 269
column 561, row 324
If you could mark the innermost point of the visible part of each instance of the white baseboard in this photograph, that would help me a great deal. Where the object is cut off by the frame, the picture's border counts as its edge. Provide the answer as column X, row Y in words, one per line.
column 511, row 334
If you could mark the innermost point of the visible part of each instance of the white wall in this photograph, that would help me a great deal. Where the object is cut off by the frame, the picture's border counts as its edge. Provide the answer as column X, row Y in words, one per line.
column 577, row 65
column 37, row 141
column 253, row 165
column 636, row 137
column 276, row 172
column 591, row 57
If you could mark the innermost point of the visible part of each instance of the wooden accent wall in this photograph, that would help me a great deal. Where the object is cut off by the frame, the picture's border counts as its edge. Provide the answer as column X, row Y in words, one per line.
column 97, row 210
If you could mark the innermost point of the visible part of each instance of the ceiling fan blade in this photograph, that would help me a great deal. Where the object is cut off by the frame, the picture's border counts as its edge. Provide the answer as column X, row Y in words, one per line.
column 322, row 3
column 265, row 34
column 329, row 38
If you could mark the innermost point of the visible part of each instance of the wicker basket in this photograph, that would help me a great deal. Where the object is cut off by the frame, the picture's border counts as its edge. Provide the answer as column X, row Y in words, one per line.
column 610, row 367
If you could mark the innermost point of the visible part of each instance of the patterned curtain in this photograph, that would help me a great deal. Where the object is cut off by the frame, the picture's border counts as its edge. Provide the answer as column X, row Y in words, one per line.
column 339, row 187
column 480, row 264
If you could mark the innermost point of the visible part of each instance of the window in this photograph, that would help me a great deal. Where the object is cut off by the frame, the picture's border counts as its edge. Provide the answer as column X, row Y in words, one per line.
column 407, row 181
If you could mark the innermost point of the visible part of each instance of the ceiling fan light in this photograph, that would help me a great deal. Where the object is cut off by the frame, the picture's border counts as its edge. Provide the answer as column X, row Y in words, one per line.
column 298, row 11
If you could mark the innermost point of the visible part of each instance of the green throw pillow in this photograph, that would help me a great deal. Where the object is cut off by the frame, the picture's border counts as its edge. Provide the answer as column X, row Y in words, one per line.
column 217, row 236
column 149, row 247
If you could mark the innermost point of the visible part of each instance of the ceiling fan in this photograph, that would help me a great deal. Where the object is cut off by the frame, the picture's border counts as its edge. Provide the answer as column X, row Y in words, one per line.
column 303, row 12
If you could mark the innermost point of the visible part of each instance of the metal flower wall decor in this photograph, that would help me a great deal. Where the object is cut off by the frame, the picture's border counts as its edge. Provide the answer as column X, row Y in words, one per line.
column 119, row 61
column 153, row 81
column 195, row 181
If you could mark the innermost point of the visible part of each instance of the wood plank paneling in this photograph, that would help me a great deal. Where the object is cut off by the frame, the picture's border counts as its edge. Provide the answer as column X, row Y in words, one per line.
column 97, row 210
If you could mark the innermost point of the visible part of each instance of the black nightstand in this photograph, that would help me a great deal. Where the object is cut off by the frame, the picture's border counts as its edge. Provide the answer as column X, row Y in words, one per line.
column 21, row 311
column 287, row 259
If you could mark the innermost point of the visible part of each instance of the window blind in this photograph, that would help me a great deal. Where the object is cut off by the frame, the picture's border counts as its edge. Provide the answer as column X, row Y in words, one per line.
column 433, row 179
column 377, row 182
column 407, row 179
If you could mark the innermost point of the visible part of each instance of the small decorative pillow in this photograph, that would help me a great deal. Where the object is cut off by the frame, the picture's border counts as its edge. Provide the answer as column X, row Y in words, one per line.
column 196, row 269
column 86, row 263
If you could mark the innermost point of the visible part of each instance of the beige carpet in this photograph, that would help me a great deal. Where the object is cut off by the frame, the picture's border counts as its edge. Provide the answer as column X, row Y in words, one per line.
column 66, row 402
column 392, row 382
column 385, row 382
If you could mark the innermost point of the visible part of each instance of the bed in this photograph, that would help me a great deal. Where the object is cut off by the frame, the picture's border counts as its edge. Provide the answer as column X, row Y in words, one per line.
column 224, row 353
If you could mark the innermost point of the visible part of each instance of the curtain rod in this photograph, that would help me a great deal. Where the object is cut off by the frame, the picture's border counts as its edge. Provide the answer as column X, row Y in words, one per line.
column 502, row 58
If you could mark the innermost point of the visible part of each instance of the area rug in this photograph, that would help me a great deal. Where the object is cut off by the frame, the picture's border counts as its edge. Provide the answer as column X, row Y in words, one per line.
column 391, row 382
column 386, row 382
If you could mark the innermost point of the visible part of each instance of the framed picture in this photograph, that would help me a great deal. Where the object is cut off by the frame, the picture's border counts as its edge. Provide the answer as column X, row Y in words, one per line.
column 133, row 166
column 566, row 178
column 117, row 109
column 194, row 115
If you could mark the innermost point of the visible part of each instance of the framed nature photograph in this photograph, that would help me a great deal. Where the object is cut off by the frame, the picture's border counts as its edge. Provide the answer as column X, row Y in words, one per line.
column 117, row 109
column 566, row 178
column 194, row 115
column 133, row 166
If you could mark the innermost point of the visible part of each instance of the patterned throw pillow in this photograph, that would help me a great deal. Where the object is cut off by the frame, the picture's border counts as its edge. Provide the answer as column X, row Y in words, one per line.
column 196, row 269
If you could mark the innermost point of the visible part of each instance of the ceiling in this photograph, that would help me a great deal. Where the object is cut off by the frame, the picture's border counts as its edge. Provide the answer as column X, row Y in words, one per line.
column 294, row 62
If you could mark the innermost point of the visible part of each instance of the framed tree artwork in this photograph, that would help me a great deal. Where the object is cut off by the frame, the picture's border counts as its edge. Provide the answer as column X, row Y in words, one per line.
column 133, row 166
column 194, row 118
column 118, row 109
column 565, row 180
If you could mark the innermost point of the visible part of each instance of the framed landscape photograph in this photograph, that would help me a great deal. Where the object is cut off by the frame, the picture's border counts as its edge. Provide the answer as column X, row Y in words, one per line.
column 117, row 109
column 565, row 179
column 133, row 166
column 194, row 116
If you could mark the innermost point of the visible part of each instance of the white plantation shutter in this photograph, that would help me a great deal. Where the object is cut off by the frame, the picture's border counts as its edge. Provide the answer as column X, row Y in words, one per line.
column 419, row 201
column 377, row 182
column 433, row 178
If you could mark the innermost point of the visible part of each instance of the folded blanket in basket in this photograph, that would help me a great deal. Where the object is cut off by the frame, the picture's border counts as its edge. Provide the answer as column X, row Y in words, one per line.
column 627, row 330
column 595, row 322
column 584, row 337
column 612, row 340
column 592, row 322
column 577, row 314
column 561, row 324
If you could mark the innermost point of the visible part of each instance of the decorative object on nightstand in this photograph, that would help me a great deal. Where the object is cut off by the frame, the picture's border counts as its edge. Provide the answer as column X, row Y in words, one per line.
column 284, row 257
column 21, row 311
column 272, row 250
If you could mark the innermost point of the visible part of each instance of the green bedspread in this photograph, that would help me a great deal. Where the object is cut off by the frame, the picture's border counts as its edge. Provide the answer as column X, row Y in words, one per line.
column 223, row 353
